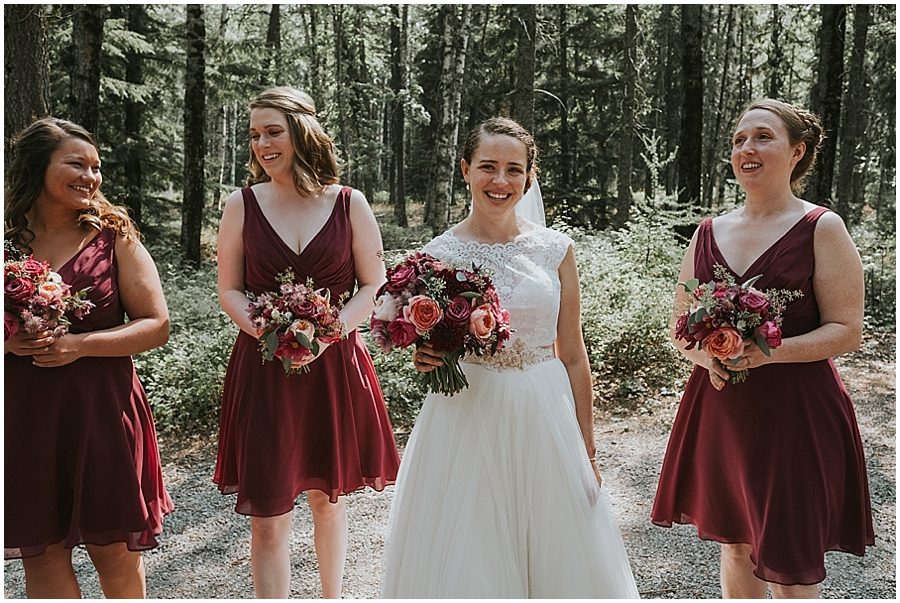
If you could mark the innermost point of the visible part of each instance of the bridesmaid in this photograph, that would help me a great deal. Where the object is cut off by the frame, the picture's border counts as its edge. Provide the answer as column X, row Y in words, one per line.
column 773, row 467
column 82, row 465
column 325, row 432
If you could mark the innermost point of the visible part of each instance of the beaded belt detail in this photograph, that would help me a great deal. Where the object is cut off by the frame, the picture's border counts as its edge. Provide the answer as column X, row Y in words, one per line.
column 516, row 356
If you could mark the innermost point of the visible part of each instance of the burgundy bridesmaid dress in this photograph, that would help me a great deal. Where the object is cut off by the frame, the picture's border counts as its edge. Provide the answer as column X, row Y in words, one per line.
column 777, row 461
column 328, row 429
column 81, row 458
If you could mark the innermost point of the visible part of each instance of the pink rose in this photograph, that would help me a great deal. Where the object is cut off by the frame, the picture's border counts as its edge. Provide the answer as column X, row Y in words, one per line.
column 18, row 291
column 481, row 322
column 400, row 278
column 754, row 301
column 771, row 333
column 423, row 312
column 725, row 344
column 458, row 311
column 402, row 333
column 35, row 269
column 304, row 309
column 10, row 325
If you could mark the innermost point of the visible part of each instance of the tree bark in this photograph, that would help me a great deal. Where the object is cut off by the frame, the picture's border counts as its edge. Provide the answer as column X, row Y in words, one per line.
column 134, row 115
column 690, row 153
column 455, row 42
column 712, row 165
column 194, row 141
column 399, row 19
column 523, row 97
column 673, row 95
column 626, row 133
column 855, row 118
column 826, row 96
column 777, row 58
column 272, row 69
column 26, row 74
column 565, row 142
column 84, row 76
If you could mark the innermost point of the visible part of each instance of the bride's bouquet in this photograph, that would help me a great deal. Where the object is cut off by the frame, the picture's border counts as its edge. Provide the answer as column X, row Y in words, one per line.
column 723, row 316
column 455, row 310
column 35, row 298
column 292, row 322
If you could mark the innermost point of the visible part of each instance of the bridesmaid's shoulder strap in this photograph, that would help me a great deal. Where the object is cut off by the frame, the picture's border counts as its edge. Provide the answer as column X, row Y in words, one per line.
column 814, row 214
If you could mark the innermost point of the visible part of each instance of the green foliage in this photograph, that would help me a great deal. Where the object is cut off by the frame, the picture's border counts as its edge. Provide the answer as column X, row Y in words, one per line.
column 184, row 378
column 878, row 250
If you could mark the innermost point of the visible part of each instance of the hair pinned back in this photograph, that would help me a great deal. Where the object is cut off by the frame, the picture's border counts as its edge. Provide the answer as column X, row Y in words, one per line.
column 314, row 163
column 503, row 126
column 801, row 126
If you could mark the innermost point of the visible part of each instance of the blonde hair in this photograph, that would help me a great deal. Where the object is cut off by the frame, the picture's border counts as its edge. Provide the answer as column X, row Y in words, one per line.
column 801, row 126
column 314, row 163
column 31, row 151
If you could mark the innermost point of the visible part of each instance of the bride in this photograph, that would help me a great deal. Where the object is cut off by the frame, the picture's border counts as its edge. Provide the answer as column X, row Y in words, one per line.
column 499, row 495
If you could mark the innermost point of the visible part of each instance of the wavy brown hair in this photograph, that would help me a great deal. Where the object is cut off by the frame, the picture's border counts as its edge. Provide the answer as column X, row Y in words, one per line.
column 801, row 126
column 504, row 126
column 314, row 163
column 30, row 155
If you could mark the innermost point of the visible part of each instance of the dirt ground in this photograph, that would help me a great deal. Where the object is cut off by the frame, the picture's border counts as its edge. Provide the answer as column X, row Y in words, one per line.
column 205, row 549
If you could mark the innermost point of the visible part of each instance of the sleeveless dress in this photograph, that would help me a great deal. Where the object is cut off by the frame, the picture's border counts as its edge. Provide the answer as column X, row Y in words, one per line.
column 81, row 458
column 496, row 497
column 777, row 461
column 328, row 429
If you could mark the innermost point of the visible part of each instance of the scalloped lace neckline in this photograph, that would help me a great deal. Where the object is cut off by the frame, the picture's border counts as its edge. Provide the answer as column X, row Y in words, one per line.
column 521, row 237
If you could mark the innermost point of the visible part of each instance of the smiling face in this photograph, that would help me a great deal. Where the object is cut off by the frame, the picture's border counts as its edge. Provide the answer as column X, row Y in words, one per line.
column 72, row 175
column 270, row 141
column 497, row 173
column 762, row 155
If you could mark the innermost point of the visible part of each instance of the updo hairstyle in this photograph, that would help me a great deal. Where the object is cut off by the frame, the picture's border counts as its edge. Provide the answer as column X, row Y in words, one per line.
column 503, row 126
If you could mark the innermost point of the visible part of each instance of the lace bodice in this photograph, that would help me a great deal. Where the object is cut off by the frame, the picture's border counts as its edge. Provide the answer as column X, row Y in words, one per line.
column 526, row 275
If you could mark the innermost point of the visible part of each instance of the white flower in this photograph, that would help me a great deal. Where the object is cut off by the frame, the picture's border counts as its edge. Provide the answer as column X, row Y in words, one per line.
column 385, row 308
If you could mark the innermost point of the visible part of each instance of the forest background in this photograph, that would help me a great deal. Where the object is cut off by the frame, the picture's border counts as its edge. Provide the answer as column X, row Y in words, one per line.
column 632, row 107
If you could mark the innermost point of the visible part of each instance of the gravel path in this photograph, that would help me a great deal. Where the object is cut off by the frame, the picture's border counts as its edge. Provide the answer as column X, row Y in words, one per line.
column 205, row 550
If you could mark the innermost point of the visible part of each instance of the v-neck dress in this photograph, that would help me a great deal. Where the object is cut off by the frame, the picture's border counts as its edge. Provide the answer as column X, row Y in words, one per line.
column 81, row 460
column 776, row 461
column 328, row 429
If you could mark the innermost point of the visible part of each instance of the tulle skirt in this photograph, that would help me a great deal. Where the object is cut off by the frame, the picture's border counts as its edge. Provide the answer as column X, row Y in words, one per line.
column 496, row 497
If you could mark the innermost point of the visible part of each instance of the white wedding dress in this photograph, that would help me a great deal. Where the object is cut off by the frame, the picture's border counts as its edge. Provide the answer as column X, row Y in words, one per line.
column 496, row 497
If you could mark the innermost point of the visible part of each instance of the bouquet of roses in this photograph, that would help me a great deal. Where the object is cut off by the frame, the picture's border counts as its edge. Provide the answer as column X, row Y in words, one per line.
column 455, row 310
column 723, row 316
column 35, row 298
column 293, row 321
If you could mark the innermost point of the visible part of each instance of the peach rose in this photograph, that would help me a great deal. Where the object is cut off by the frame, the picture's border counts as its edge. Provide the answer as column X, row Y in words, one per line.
column 481, row 322
column 51, row 291
column 304, row 326
column 725, row 344
column 423, row 313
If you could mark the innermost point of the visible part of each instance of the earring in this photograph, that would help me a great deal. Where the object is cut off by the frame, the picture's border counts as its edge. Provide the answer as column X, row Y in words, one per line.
column 467, row 186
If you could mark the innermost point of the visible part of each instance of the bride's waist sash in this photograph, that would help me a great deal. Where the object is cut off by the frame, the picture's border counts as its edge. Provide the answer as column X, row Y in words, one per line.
column 516, row 356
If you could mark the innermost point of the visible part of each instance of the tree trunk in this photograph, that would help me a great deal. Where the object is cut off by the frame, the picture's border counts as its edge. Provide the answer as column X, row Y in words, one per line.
column 855, row 118
column 712, row 165
column 194, row 142
column 565, row 142
column 134, row 115
column 826, row 96
column 84, row 77
column 674, row 95
column 690, row 153
column 626, row 133
column 399, row 20
column 272, row 66
column 455, row 42
column 777, row 58
column 523, row 96
column 26, row 74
